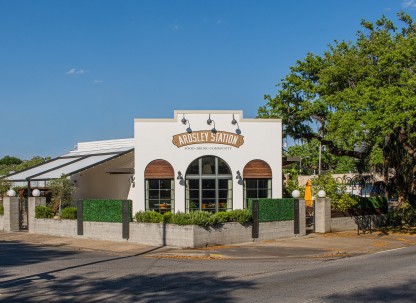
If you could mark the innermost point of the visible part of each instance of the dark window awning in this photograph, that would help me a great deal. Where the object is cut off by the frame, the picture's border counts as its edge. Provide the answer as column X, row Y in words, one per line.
column 120, row 171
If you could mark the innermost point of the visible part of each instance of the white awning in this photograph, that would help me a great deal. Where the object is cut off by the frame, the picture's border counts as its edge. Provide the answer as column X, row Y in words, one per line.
column 68, row 165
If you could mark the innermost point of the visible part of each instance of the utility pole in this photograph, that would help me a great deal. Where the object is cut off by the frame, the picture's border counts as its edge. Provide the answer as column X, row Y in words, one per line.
column 320, row 158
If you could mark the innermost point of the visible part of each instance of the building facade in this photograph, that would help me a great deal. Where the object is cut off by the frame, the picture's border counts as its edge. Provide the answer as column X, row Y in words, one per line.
column 205, row 160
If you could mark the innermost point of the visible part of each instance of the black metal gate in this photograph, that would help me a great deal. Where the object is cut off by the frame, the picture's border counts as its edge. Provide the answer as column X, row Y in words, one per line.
column 23, row 213
column 310, row 218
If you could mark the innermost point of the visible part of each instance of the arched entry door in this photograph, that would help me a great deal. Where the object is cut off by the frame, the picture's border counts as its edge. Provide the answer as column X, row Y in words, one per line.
column 209, row 185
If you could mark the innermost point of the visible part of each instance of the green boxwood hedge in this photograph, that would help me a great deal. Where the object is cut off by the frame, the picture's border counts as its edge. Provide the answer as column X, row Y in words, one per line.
column 200, row 218
column 43, row 212
column 1, row 210
column 105, row 210
column 69, row 213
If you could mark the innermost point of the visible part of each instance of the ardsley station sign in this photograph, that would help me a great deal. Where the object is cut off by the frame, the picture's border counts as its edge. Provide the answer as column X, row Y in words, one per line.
column 208, row 137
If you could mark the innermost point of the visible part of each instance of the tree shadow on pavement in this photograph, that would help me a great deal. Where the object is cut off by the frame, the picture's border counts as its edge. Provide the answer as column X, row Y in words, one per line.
column 405, row 292
column 20, row 254
column 194, row 286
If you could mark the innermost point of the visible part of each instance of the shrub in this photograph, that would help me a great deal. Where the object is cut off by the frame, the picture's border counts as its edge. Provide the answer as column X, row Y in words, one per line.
column 1, row 210
column 167, row 217
column 42, row 212
column 69, row 213
column 403, row 215
column 200, row 218
column 241, row 216
column 220, row 217
column 181, row 219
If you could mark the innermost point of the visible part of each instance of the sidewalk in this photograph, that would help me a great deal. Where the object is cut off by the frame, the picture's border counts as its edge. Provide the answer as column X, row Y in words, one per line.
column 332, row 245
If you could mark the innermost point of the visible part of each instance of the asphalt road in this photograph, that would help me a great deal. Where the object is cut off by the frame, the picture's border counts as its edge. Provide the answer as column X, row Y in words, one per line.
column 32, row 273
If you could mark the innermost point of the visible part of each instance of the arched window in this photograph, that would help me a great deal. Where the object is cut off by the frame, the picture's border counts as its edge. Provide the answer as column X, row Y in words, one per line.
column 209, row 185
column 257, row 176
column 159, row 182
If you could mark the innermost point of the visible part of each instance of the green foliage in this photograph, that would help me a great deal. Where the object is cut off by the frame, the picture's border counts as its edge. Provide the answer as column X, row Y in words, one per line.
column 105, row 210
column 1, row 210
column 167, row 217
column 43, row 212
column 275, row 209
column 181, row 219
column 292, row 182
column 200, row 218
column 5, row 185
column 241, row 216
column 335, row 191
column 9, row 164
column 403, row 215
column 61, row 192
column 8, row 160
column 309, row 154
column 220, row 217
column 361, row 97
column 372, row 203
column 69, row 213
column 149, row 217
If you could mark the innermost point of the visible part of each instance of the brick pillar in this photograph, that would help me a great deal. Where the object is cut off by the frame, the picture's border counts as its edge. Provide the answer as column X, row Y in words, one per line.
column 322, row 215
column 302, row 217
column 32, row 203
column 11, row 213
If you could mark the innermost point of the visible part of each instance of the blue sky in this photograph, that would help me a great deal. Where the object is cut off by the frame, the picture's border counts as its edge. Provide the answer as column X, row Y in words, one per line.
column 73, row 71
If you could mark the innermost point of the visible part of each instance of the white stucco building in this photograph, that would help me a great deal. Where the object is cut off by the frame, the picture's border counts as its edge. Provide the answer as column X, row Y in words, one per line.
column 207, row 160
column 197, row 160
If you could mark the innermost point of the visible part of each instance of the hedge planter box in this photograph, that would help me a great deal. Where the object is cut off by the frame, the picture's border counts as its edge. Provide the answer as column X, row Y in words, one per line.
column 193, row 236
column 159, row 234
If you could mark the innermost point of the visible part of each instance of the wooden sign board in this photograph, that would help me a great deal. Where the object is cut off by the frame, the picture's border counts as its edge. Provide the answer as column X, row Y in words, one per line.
column 208, row 137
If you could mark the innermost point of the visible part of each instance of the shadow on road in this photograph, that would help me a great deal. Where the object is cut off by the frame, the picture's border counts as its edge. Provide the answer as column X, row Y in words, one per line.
column 405, row 292
column 20, row 254
column 185, row 287
column 59, row 285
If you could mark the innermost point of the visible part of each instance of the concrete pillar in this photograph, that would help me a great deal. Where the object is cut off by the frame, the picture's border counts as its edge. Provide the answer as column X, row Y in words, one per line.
column 33, row 202
column 302, row 217
column 11, row 213
column 322, row 215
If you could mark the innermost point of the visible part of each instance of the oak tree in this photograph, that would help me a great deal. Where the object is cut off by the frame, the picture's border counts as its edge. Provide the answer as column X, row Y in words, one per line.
column 358, row 99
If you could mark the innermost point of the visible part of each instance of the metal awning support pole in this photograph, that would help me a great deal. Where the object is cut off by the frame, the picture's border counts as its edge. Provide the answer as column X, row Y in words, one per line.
column 28, row 188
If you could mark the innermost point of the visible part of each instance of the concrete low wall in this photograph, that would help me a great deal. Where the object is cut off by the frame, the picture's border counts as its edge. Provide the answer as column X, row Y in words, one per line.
column 355, row 222
column 103, row 231
column 63, row 228
column 158, row 234
column 195, row 236
column 1, row 222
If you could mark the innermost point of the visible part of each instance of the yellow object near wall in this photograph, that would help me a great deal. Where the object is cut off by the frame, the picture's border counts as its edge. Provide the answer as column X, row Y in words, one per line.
column 308, row 194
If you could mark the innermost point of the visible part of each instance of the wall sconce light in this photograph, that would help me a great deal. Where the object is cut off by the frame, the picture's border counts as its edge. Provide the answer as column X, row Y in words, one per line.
column 36, row 193
column 234, row 121
column 132, row 180
column 238, row 175
column 209, row 121
column 184, row 122
column 180, row 176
